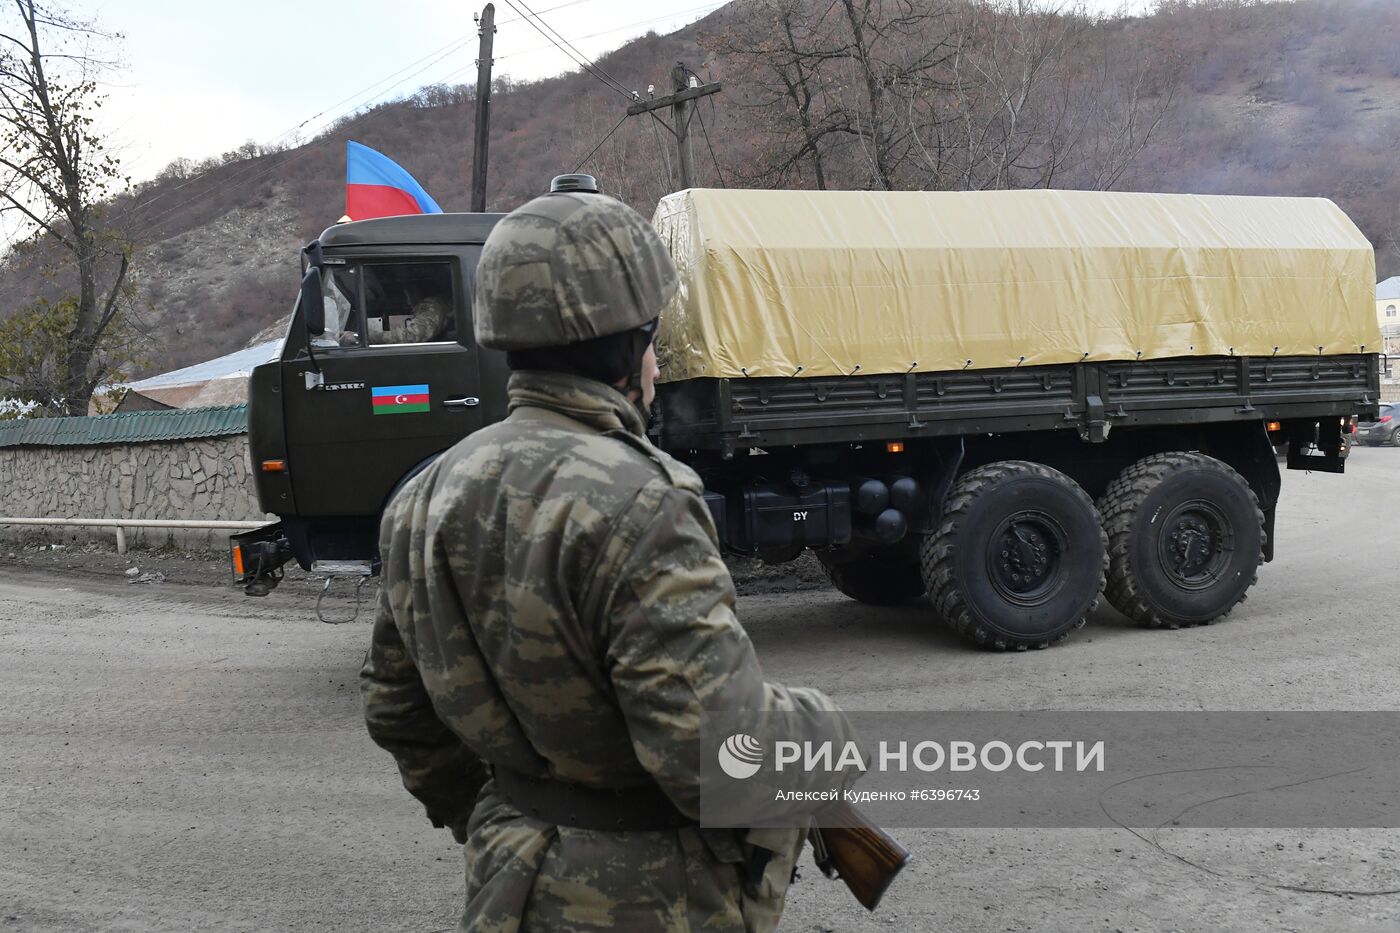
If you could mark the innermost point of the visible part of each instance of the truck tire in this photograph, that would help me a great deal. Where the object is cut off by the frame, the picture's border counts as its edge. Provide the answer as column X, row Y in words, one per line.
column 1018, row 559
column 1185, row 540
column 878, row 577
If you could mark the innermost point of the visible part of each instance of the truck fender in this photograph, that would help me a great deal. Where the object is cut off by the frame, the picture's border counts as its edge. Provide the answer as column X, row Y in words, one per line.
column 1250, row 452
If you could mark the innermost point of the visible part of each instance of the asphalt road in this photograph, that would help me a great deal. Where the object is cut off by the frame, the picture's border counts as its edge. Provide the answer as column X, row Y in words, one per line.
column 180, row 758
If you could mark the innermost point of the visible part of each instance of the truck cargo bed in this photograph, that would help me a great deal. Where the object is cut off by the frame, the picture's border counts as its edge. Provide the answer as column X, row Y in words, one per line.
column 728, row 415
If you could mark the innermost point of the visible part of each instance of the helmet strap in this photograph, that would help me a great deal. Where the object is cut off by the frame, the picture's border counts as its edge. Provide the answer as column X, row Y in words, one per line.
column 644, row 336
column 634, row 384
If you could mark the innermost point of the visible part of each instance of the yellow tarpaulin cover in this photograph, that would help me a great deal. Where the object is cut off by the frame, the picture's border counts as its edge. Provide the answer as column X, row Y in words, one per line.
column 816, row 283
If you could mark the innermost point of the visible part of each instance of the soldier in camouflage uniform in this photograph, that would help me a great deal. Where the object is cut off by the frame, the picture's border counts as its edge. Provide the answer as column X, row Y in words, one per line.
column 555, row 615
column 427, row 322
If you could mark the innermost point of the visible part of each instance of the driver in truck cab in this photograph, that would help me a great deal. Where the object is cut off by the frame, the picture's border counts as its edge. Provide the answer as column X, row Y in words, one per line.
column 427, row 320
column 408, row 305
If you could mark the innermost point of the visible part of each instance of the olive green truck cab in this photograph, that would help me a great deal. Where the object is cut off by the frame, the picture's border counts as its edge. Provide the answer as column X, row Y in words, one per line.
column 1012, row 490
column 325, row 457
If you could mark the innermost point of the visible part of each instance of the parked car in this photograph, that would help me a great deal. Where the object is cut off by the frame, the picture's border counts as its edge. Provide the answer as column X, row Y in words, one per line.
column 1385, row 430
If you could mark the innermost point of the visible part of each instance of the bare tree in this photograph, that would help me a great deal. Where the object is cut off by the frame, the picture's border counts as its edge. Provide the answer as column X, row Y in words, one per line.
column 784, row 45
column 797, row 72
column 1042, row 98
column 1137, row 87
column 54, row 174
column 613, row 147
column 898, row 54
column 833, row 79
column 943, row 94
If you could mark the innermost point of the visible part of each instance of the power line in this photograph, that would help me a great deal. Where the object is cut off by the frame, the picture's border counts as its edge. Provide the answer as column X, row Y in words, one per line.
column 618, row 84
column 445, row 50
column 584, row 160
column 703, row 129
column 434, row 55
column 683, row 103
column 550, row 9
column 453, row 46
column 241, row 176
column 708, row 7
column 718, row 171
column 706, row 80
column 582, row 61
column 608, row 80
column 665, row 158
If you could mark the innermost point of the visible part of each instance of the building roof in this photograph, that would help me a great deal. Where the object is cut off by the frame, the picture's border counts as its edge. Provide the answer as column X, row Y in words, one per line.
column 240, row 363
column 130, row 427
column 220, row 392
column 1388, row 289
column 155, row 399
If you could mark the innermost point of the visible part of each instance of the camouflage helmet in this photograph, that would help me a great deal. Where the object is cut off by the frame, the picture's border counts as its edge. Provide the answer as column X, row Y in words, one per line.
column 569, row 267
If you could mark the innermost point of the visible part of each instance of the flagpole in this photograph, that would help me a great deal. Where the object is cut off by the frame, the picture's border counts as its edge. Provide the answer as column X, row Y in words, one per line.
column 486, row 29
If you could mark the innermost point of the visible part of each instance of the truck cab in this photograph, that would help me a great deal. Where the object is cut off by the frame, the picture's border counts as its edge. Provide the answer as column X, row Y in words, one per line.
column 363, row 395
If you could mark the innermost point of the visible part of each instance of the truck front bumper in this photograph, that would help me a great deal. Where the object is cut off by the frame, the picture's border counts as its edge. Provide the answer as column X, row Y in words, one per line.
column 256, row 558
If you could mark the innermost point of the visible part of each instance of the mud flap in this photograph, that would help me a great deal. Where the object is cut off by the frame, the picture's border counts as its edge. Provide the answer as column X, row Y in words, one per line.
column 1317, row 446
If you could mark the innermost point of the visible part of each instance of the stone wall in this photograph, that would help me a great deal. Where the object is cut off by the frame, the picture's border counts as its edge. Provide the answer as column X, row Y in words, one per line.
column 204, row 479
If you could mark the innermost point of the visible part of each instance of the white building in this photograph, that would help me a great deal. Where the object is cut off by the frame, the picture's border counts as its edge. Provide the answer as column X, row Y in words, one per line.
column 221, row 381
column 1388, row 316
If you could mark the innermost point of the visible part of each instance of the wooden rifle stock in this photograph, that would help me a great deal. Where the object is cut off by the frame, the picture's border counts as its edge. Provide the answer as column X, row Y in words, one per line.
column 858, row 852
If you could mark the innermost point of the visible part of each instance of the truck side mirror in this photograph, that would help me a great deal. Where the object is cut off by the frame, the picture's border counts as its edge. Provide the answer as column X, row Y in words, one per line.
column 313, row 306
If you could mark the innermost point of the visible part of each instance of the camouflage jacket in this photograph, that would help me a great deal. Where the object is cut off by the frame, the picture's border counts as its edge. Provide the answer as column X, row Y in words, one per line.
column 553, row 601
column 428, row 322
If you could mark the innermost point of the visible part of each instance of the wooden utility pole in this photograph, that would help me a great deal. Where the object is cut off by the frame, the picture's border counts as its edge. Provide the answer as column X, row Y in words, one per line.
column 682, row 103
column 680, row 116
column 486, row 29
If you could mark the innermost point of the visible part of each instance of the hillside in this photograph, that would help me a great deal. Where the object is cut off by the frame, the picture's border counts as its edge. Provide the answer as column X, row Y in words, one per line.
column 1298, row 98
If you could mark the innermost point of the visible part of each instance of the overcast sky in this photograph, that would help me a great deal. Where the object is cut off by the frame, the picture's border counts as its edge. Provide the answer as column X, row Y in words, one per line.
column 199, row 79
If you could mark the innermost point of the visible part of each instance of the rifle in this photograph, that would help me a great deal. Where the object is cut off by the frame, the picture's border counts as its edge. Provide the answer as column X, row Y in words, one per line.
column 858, row 852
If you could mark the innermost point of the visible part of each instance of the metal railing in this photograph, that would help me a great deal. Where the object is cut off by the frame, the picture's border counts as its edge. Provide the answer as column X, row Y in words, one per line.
column 121, row 524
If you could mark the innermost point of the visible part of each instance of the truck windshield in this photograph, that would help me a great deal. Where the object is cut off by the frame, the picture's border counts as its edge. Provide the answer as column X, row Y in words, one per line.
column 373, row 304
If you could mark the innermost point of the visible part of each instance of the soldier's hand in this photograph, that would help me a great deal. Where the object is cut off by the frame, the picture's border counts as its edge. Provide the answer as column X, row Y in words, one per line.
column 458, row 826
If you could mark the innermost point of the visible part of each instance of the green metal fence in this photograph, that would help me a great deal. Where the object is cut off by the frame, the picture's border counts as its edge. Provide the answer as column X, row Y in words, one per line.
column 130, row 427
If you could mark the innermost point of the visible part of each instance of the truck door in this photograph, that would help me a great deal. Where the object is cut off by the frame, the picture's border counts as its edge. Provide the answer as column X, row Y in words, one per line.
column 393, row 381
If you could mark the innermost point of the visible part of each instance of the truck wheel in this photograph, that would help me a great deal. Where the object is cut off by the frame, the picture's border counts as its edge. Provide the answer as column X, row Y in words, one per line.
column 1018, row 559
column 1185, row 539
column 878, row 577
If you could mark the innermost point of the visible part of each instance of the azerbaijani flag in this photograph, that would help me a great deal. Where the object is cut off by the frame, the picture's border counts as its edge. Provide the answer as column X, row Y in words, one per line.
column 399, row 400
column 376, row 186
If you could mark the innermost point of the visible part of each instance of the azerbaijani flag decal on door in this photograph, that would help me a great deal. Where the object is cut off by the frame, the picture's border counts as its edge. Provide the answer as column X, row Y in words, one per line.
column 399, row 400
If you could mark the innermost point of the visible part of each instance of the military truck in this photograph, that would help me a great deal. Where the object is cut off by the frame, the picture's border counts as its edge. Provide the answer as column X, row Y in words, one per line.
column 1011, row 403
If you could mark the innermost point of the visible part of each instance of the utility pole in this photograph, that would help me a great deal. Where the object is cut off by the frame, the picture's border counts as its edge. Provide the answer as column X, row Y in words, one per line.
column 486, row 29
column 682, row 103
column 680, row 117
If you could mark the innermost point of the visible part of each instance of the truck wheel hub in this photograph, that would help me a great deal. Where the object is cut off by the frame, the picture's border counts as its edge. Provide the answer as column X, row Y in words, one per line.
column 1192, row 548
column 1024, row 557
